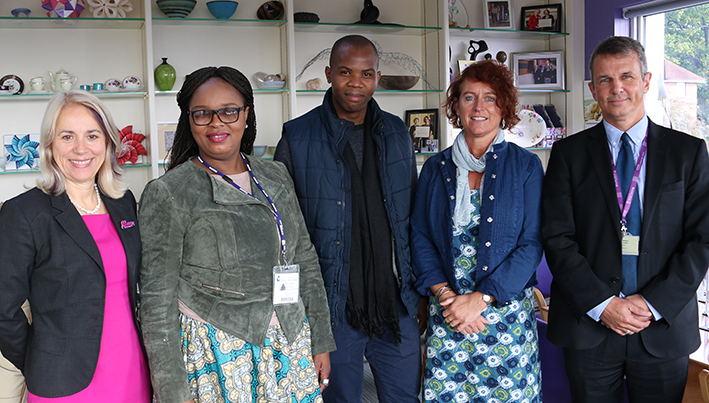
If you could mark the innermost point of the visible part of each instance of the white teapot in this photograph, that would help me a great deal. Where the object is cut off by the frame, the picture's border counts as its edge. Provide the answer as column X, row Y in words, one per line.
column 56, row 80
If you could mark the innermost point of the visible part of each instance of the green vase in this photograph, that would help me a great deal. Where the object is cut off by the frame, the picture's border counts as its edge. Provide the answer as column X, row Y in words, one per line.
column 165, row 76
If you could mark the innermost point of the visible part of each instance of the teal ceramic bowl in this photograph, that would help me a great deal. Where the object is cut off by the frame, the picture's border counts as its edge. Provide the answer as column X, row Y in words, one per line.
column 259, row 151
column 176, row 8
column 222, row 9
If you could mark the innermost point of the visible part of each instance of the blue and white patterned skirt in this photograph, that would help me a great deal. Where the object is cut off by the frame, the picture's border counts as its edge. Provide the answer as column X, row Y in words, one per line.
column 224, row 368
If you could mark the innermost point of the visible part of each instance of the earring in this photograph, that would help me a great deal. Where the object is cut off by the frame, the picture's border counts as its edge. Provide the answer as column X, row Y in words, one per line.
column 247, row 126
column 459, row 123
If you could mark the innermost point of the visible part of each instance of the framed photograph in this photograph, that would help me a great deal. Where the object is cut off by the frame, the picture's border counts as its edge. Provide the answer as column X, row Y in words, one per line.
column 539, row 71
column 546, row 17
column 498, row 14
column 462, row 64
column 166, row 135
column 423, row 128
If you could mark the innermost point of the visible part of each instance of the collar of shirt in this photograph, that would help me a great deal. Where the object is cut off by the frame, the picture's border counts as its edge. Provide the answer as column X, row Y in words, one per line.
column 636, row 133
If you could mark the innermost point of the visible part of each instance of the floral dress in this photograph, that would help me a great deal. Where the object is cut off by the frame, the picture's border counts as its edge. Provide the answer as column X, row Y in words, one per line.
column 499, row 364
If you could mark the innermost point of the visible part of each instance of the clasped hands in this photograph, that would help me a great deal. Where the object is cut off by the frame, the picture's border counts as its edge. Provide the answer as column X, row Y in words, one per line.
column 463, row 312
column 627, row 316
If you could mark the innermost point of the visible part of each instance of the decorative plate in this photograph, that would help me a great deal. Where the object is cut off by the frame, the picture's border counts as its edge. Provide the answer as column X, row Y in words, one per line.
column 13, row 84
column 529, row 131
column 132, row 83
column 457, row 14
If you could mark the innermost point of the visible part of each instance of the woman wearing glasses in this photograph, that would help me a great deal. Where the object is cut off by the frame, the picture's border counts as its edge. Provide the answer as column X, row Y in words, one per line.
column 233, row 302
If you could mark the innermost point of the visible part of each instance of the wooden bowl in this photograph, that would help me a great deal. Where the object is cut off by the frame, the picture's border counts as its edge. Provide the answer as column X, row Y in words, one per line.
column 398, row 82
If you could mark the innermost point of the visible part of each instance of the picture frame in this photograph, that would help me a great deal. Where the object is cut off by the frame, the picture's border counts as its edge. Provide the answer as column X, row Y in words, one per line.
column 423, row 129
column 543, row 17
column 538, row 70
column 462, row 64
column 166, row 135
column 498, row 14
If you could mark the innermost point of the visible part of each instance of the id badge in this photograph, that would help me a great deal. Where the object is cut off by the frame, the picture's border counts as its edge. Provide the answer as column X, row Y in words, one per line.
column 630, row 245
column 286, row 284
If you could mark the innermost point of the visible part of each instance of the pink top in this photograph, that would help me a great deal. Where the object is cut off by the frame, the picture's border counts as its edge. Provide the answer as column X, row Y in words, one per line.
column 122, row 372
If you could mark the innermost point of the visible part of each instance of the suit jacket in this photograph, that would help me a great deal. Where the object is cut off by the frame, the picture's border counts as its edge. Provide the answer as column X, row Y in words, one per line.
column 48, row 256
column 581, row 235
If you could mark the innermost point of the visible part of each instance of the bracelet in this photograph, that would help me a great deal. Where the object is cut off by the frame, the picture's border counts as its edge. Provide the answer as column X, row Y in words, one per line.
column 446, row 292
column 440, row 290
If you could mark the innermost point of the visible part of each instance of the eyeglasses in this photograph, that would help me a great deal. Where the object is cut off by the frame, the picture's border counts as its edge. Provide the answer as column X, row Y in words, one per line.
column 203, row 117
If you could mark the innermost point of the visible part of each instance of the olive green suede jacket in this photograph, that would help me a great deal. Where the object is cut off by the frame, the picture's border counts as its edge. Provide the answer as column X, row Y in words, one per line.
column 214, row 248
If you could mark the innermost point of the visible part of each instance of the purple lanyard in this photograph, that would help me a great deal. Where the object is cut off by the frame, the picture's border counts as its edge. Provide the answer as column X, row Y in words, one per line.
column 633, row 184
column 274, row 210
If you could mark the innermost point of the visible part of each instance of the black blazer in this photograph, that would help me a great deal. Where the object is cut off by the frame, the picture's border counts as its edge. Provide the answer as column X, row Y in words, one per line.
column 47, row 255
column 581, row 235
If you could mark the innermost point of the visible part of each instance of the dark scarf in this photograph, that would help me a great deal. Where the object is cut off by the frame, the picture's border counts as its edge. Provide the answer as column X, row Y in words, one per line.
column 372, row 294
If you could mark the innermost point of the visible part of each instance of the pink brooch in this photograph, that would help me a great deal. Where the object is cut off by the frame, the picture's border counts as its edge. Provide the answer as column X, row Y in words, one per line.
column 127, row 224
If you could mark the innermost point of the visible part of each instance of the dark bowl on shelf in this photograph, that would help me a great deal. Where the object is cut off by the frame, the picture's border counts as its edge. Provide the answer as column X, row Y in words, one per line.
column 222, row 9
column 270, row 10
column 397, row 82
column 303, row 16
column 176, row 8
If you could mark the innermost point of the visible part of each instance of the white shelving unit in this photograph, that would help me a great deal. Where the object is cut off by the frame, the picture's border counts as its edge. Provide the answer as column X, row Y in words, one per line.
column 97, row 49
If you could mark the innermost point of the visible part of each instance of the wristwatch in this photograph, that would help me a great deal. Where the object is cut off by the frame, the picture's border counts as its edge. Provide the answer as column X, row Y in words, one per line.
column 487, row 299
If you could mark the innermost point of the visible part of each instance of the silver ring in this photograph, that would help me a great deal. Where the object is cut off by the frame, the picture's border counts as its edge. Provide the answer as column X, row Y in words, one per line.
column 627, row 332
column 325, row 382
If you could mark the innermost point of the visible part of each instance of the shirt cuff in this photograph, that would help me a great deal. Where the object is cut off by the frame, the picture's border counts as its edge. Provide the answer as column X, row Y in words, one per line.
column 655, row 313
column 596, row 312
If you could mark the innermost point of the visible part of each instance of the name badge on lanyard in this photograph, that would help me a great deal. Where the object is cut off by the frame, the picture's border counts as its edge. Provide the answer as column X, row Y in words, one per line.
column 630, row 244
column 286, row 284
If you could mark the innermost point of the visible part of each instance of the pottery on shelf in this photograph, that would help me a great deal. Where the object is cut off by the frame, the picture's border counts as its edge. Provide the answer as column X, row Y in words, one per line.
column 222, row 9
column 259, row 151
column 20, row 11
column 110, row 8
column 270, row 10
column 165, row 75
column 176, row 8
column 63, row 8
column 303, row 16
column 390, row 82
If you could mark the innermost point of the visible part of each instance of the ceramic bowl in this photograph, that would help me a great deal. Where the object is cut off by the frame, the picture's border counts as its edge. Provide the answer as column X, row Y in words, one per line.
column 222, row 9
column 176, row 8
column 397, row 82
column 270, row 10
column 131, row 83
column 271, row 85
column 259, row 151
column 112, row 85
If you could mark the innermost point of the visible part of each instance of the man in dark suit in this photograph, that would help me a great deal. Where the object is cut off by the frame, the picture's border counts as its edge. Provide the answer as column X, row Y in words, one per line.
column 625, row 225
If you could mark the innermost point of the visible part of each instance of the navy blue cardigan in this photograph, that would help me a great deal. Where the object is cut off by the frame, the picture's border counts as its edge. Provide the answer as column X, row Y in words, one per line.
column 509, row 242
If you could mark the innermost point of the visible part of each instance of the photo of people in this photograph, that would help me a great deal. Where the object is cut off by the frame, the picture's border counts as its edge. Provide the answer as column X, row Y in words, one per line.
column 541, row 18
column 498, row 14
column 423, row 129
column 537, row 71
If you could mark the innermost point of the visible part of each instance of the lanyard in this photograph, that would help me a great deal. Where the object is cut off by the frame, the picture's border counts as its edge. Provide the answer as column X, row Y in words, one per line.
column 625, row 207
column 274, row 210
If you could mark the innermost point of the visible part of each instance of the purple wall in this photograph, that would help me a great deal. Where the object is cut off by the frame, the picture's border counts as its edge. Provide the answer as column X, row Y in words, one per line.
column 603, row 18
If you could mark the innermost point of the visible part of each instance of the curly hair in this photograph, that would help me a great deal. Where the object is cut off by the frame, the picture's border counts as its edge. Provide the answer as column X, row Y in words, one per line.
column 499, row 78
column 184, row 146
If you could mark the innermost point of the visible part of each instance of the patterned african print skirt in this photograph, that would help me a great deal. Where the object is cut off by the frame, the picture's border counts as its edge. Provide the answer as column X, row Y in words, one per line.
column 224, row 368
column 499, row 364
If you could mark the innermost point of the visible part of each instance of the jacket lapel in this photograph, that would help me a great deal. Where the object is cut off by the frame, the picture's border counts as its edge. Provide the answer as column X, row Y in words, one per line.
column 70, row 220
column 600, row 158
column 656, row 159
column 124, row 219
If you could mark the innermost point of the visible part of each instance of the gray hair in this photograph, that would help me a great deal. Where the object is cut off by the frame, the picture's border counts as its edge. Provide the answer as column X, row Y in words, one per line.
column 110, row 174
column 621, row 46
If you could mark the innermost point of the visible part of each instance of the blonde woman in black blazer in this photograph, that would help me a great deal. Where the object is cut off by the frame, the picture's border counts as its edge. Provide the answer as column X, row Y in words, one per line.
column 72, row 248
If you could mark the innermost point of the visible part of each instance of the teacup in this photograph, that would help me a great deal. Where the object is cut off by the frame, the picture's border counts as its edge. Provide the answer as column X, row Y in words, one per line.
column 112, row 85
column 132, row 83
column 37, row 84
column 85, row 87
column 66, row 84
column 98, row 86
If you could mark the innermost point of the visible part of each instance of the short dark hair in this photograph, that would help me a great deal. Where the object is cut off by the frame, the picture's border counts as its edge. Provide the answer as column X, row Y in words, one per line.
column 351, row 40
column 619, row 45
column 184, row 146
column 499, row 78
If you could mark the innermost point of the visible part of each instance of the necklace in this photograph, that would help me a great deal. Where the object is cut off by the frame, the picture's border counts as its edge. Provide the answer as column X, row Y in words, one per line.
column 98, row 206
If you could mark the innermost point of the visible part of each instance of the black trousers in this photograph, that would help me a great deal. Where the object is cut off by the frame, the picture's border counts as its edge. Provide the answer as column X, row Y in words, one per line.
column 596, row 375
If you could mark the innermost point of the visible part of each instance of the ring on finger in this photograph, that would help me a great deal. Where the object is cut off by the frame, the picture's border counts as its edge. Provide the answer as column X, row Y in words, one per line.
column 627, row 332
